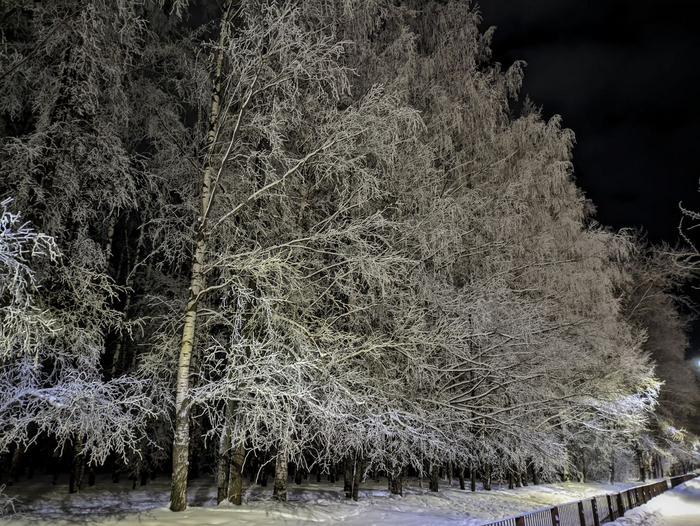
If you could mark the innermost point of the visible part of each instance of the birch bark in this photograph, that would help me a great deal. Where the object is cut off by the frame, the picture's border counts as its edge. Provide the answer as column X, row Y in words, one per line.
column 181, row 441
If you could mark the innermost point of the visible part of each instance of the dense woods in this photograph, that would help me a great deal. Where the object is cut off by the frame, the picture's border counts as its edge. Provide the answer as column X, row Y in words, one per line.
column 327, row 236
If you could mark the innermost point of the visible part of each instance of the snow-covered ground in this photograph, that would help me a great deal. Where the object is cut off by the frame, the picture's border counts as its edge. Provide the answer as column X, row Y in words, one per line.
column 677, row 507
column 310, row 503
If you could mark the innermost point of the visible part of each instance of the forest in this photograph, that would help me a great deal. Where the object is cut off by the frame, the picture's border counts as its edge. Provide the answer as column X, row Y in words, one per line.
column 257, row 238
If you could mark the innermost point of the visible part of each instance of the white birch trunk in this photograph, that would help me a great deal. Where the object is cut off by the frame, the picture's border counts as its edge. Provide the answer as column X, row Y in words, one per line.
column 181, row 441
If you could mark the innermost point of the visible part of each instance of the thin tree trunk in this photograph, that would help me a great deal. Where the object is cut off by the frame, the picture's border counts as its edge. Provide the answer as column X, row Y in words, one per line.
column 472, row 478
column 348, row 477
column 611, row 478
column 396, row 482
column 181, row 441
column 357, row 476
column 434, row 477
column 640, row 465
column 486, row 479
column 280, row 490
column 224, row 461
column 262, row 477
column 535, row 475
column 646, row 459
column 3, row 463
column 461, row 478
column 77, row 467
column 31, row 466
column 110, row 236
column 14, row 465
column 331, row 473
column 566, row 474
column 235, row 484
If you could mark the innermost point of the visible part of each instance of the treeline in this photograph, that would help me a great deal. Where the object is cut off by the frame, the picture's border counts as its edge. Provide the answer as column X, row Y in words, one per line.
column 314, row 234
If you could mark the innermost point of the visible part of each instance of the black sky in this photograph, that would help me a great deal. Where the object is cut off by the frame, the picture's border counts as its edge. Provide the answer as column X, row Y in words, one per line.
column 623, row 76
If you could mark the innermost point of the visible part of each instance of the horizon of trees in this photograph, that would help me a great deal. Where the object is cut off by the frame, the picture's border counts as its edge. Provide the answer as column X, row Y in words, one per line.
column 317, row 235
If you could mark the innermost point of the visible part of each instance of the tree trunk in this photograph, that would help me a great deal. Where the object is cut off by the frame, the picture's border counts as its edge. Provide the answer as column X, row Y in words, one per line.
column 396, row 482
column 535, row 475
column 357, row 476
column 472, row 478
column 262, row 476
column 348, row 477
column 434, row 477
column 640, row 465
column 565, row 474
column 181, row 441
column 611, row 478
column 14, row 465
column 657, row 462
column 223, row 463
column 280, row 490
column 486, row 478
column 511, row 483
column 3, row 463
column 331, row 473
column 77, row 467
column 461, row 478
column 235, row 485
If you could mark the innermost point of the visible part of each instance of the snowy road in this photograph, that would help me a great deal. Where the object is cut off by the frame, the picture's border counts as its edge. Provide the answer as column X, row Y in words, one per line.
column 677, row 507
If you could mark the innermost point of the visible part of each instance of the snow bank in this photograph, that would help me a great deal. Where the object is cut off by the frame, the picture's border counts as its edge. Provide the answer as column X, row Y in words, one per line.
column 309, row 504
column 677, row 507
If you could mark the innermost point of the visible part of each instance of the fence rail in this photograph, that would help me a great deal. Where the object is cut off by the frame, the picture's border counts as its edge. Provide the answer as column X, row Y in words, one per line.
column 594, row 511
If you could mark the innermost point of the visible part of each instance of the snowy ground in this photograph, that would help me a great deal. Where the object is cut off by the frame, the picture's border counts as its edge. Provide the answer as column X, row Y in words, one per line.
column 677, row 507
column 309, row 503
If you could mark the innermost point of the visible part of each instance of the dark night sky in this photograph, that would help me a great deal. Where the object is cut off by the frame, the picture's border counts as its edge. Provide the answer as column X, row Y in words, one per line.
column 622, row 75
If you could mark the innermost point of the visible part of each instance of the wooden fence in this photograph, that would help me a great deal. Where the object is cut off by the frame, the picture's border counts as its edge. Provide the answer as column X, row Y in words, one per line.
column 594, row 511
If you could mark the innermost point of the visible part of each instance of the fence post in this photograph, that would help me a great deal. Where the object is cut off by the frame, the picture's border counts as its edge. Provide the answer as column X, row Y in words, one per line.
column 596, row 519
column 611, row 512
column 620, row 505
column 520, row 521
column 581, row 516
column 555, row 516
